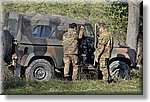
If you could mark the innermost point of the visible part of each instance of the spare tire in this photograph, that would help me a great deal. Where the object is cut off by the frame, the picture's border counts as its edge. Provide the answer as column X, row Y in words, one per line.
column 7, row 42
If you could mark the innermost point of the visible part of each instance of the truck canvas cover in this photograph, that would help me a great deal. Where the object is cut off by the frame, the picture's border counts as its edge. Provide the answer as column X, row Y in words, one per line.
column 22, row 25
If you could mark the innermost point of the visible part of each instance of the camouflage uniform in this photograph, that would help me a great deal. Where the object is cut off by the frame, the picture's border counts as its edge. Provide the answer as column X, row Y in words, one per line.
column 103, row 49
column 70, row 48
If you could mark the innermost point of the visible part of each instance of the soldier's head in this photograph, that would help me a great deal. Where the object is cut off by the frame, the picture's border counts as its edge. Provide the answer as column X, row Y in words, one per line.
column 102, row 26
column 73, row 26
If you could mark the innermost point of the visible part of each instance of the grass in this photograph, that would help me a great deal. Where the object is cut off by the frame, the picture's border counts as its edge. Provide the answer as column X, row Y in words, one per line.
column 16, row 86
column 56, row 87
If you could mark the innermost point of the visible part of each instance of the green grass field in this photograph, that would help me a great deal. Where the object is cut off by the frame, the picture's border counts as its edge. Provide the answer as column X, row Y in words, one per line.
column 124, row 87
column 13, row 86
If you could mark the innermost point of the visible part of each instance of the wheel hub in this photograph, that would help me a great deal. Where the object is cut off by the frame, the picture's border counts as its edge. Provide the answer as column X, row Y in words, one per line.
column 39, row 73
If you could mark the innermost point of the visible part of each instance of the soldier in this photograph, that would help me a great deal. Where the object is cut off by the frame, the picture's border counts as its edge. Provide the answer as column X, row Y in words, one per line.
column 104, row 47
column 70, row 48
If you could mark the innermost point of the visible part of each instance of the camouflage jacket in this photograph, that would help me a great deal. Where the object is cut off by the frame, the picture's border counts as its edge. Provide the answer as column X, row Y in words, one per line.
column 70, row 42
column 104, row 42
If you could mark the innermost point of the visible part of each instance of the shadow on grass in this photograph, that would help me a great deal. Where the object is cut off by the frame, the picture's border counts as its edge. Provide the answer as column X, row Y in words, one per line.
column 13, row 83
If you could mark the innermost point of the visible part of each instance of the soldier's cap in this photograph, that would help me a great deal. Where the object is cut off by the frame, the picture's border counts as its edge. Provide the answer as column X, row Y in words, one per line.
column 102, row 25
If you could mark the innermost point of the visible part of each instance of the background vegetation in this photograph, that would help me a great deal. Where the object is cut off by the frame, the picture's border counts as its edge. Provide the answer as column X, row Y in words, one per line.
column 113, row 14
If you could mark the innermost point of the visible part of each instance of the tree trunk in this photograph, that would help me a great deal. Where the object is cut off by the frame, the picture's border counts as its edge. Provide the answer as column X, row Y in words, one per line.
column 133, row 23
column 1, row 86
column 140, row 38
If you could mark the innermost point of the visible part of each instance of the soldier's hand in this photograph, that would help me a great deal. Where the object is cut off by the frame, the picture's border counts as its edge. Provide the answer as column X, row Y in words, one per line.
column 82, row 27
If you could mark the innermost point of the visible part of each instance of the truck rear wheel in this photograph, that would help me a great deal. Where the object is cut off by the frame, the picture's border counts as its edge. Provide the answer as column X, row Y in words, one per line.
column 120, row 70
column 39, row 70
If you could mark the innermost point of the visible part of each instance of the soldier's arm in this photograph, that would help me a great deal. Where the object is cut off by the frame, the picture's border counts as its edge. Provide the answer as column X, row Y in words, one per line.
column 81, row 33
column 76, row 36
column 106, row 40
column 64, row 38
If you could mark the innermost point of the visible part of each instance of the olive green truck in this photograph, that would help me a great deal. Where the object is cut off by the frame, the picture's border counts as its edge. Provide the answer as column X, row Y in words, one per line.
column 32, row 47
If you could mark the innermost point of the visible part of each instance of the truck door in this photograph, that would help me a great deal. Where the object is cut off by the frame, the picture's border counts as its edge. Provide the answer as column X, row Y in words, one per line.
column 87, row 46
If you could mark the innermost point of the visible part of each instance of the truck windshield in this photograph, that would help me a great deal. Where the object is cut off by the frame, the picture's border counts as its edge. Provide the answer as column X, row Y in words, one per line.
column 88, row 31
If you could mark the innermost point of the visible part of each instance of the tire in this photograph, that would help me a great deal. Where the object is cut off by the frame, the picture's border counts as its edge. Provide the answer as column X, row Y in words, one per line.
column 120, row 70
column 39, row 70
column 7, row 42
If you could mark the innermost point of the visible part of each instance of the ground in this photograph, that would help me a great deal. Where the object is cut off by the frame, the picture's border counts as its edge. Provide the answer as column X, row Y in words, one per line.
column 58, row 87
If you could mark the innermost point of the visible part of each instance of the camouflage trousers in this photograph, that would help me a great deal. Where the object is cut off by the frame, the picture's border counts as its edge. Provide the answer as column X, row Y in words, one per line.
column 100, row 57
column 103, row 67
column 68, row 60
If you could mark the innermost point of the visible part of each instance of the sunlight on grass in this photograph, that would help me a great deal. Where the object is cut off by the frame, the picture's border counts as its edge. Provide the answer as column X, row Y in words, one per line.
column 58, row 87
column 78, row 87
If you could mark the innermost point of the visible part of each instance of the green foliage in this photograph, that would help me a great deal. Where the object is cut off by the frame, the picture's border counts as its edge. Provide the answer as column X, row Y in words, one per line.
column 113, row 14
column 7, row 73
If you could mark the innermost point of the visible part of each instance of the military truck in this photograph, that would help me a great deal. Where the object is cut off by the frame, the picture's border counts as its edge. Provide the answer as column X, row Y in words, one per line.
column 32, row 47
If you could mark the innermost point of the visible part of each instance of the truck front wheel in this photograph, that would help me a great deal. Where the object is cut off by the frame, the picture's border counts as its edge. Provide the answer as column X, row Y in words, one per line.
column 39, row 70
